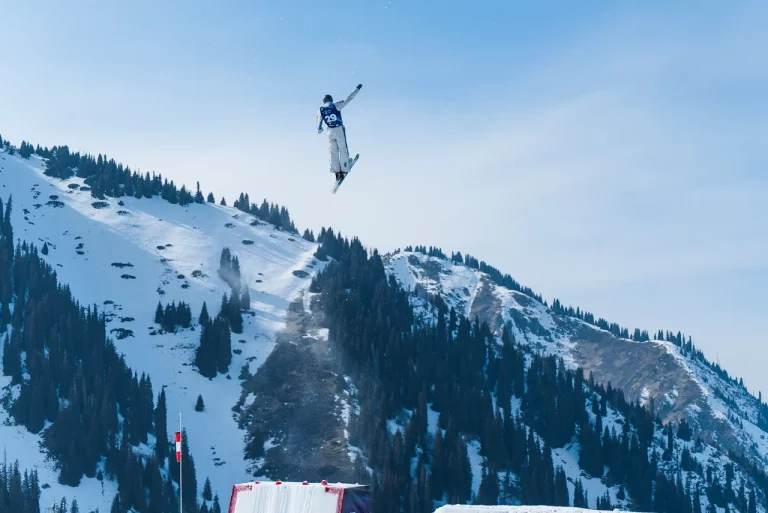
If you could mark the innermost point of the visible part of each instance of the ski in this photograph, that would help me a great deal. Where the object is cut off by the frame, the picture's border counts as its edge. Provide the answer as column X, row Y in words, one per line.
column 338, row 182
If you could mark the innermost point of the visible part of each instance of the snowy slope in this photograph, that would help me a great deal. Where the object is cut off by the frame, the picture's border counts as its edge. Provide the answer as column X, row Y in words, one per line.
column 472, row 293
column 680, row 387
column 509, row 509
column 173, row 254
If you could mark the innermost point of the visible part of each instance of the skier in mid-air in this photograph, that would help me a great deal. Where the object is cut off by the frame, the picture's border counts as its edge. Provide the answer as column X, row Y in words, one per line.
column 330, row 114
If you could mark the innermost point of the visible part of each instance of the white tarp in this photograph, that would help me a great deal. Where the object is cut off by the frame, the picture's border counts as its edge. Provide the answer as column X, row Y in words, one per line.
column 270, row 497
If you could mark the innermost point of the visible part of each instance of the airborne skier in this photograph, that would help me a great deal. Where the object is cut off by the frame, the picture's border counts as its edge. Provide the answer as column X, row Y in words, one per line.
column 330, row 114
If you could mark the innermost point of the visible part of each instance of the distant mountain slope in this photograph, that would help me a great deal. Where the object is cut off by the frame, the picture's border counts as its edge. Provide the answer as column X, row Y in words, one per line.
column 463, row 402
column 654, row 372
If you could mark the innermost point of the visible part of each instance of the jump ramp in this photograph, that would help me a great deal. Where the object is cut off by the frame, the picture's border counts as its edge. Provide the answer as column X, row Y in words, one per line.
column 280, row 497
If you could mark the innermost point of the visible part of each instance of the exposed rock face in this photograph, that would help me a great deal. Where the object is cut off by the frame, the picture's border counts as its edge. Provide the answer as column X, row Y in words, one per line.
column 655, row 373
column 295, row 423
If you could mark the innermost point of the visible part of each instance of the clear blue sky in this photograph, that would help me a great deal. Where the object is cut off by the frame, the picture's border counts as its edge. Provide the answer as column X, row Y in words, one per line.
column 612, row 154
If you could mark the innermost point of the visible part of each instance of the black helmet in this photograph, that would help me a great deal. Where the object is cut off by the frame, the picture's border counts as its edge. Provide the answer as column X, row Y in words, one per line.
column 327, row 98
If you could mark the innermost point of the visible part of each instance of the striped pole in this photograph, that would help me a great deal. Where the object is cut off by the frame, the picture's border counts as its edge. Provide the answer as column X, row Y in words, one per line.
column 178, row 459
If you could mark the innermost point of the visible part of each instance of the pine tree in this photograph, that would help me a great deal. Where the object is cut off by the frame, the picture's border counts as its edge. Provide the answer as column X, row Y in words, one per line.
column 697, row 501
column 224, row 344
column 185, row 316
column 245, row 300
column 12, row 360
column 669, row 451
column 169, row 495
column 44, row 251
column 189, row 500
column 210, row 198
column 198, row 194
column 488, row 493
column 207, row 351
column 561, row 488
column 200, row 406
column 216, row 506
column 116, row 507
column 223, row 202
column 438, row 467
column 207, row 490
column 204, row 318
column 235, row 314
column 579, row 499
column 684, row 431
column 161, row 428
column 170, row 317
column 159, row 313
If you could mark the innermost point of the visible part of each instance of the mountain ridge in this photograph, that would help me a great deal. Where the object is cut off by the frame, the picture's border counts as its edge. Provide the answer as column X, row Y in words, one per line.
column 278, row 268
column 593, row 347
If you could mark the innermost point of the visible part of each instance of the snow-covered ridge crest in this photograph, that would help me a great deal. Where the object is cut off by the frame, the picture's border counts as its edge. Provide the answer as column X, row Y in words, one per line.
column 124, row 255
column 657, row 373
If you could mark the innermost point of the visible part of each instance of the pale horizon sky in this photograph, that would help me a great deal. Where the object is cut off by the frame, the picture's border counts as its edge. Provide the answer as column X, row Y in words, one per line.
column 612, row 155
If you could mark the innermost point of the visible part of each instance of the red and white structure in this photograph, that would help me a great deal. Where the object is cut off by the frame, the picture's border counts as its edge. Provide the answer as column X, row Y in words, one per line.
column 280, row 497
column 178, row 447
column 178, row 460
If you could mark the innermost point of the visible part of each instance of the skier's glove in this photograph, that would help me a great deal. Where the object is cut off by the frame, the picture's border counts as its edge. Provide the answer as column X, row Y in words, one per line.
column 320, row 130
column 359, row 86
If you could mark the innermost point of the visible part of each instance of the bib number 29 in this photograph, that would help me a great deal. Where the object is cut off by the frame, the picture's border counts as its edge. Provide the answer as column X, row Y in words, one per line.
column 330, row 118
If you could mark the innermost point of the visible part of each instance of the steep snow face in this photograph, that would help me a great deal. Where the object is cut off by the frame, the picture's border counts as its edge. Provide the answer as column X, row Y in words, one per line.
column 680, row 387
column 126, row 257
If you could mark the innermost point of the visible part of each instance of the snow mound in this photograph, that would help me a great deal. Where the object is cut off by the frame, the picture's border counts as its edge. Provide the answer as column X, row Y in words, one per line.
column 509, row 509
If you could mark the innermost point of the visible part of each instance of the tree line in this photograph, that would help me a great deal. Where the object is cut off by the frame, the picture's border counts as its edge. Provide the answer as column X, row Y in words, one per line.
column 71, row 377
column 214, row 354
column 20, row 492
column 687, row 347
column 455, row 366
column 268, row 212
column 108, row 178
column 173, row 316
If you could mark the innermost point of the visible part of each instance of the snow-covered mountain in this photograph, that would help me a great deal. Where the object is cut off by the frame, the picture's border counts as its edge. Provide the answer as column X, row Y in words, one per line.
column 124, row 256
column 674, row 378
column 283, row 410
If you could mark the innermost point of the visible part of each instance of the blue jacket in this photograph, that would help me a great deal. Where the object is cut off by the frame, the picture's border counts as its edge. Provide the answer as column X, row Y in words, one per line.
column 329, row 113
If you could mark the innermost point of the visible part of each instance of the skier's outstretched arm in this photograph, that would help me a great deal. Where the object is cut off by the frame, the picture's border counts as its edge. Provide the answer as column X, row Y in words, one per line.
column 342, row 103
column 319, row 122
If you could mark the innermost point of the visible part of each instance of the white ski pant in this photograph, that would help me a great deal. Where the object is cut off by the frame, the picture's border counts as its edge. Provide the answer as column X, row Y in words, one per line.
column 337, row 142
